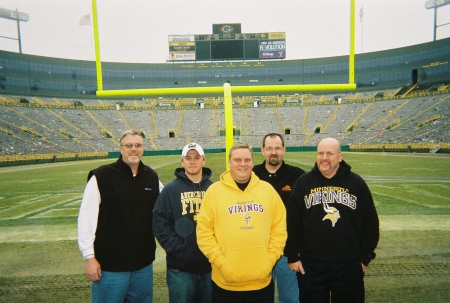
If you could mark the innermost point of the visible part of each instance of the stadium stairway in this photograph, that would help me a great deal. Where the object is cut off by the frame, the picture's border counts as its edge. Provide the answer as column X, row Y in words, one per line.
column 305, row 121
column 355, row 122
column 280, row 123
column 404, row 93
column 69, row 123
column 104, row 130
column 124, row 119
column 421, row 112
column 213, row 121
column 152, row 115
column 382, row 120
column 180, row 121
column 331, row 118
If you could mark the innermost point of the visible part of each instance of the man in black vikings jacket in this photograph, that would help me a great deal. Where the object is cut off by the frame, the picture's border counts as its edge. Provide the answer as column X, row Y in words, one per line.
column 333, row 229
column 174, row 226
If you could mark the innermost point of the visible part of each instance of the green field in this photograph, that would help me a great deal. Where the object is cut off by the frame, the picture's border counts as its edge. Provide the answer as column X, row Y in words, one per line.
column 40, row 260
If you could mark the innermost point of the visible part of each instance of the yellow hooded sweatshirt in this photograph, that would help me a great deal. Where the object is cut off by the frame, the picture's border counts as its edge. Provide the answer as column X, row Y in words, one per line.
column 242, row 233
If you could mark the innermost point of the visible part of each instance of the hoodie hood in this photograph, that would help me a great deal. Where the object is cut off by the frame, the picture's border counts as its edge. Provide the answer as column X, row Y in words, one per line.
column 181, row 174
column 229, row 181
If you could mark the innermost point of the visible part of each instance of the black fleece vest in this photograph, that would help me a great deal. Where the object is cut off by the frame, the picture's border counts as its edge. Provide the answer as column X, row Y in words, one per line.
column 124, row 239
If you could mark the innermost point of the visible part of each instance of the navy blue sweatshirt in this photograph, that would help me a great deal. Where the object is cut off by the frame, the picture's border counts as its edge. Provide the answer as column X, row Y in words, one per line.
column 331, row 219
column 175, row 222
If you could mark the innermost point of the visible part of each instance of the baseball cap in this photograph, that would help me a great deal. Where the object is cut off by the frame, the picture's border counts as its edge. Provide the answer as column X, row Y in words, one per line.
column 190, row 146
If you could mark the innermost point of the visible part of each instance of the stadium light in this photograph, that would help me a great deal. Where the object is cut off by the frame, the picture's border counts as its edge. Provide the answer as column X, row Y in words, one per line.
column 435, row 4
column 16, row 16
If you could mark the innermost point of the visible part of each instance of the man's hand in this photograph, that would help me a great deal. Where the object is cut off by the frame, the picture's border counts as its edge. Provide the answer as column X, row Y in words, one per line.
column 363, row 268
column 297, row 266
column 92, row 269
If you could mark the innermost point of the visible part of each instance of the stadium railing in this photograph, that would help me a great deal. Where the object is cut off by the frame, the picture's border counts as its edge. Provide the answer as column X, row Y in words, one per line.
column 414, row 147
column 7, row 160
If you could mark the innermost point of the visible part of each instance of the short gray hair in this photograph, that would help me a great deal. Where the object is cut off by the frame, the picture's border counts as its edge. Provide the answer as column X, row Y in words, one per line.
column 130, row 132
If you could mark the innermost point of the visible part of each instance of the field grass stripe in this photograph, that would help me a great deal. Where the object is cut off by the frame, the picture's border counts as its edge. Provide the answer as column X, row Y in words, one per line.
column 40, row 233
column 409, row 201
column 23, row 210
column 415, row 222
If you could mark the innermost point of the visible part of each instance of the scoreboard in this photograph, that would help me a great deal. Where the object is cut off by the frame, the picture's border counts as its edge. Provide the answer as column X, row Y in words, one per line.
column 227, row 43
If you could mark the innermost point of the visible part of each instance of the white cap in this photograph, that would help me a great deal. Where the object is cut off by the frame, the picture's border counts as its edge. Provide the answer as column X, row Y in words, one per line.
column 190, row 146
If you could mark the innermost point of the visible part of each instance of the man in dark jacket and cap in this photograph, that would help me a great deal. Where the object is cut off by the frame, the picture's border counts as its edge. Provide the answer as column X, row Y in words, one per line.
column 174, row 226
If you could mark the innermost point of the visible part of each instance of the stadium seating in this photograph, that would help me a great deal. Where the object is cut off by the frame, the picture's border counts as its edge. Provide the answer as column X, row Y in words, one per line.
column 49, row 125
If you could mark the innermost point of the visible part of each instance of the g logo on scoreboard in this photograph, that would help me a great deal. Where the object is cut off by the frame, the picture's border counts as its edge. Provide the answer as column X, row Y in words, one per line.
column 227, row 28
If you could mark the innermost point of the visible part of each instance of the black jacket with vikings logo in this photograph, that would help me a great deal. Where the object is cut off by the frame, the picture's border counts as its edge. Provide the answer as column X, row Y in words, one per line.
column 175, row 222
column 331, row 219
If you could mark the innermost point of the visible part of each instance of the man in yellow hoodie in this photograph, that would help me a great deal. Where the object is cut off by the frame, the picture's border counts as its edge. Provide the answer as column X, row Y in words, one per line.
column 241, row 229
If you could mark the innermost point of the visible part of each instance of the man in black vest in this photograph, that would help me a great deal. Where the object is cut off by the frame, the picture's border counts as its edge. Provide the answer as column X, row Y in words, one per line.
column 115, row 226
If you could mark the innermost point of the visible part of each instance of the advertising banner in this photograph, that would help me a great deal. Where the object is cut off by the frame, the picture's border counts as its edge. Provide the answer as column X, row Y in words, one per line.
column 181, row 38
column 182, row 56
column 271, row 49
column 181, row 47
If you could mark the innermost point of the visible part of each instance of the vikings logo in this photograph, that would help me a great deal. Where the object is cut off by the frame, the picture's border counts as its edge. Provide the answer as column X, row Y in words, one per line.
column 247, row 219
column 332, row 214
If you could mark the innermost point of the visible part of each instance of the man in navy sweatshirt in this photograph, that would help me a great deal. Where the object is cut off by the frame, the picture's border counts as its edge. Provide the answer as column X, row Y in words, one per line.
column 333, row 229
column 174, row 226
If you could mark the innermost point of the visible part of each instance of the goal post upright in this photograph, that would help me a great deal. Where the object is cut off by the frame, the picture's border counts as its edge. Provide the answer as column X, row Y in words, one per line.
column 229, row 136
column 98, row 62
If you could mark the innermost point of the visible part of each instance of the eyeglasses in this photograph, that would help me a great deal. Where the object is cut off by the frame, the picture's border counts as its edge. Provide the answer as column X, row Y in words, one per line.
column 130, row 145
column 277, row 149
column 239, row 160
column 328, row 154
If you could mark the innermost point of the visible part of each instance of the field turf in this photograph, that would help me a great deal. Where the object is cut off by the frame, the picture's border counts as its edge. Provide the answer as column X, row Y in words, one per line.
column 40, row 260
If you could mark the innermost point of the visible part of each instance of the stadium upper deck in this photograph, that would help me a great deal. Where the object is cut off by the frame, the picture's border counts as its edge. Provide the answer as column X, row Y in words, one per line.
column 43, row 76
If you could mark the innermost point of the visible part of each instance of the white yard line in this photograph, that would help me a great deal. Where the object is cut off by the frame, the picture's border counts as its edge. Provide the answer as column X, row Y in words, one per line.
column 59, row 164
column 415, row 222
column 44, row 233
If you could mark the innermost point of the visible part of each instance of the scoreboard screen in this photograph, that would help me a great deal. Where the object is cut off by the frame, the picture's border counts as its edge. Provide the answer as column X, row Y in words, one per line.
column 227, row 49
column 228, row 45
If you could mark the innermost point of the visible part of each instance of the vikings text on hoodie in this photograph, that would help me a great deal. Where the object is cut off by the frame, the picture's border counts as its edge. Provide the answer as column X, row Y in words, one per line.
column 242, row 233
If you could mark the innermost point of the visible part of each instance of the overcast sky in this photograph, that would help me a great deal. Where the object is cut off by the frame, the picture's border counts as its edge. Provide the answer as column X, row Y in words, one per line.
column 138, row 30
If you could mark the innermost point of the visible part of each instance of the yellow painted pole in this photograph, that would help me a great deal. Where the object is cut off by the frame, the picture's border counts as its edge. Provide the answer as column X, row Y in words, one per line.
column 228, row 121
column 351, row 68
column 98, row 62
column 219, row 90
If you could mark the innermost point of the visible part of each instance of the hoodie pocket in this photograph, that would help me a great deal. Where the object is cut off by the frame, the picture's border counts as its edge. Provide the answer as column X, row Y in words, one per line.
column 246, row 264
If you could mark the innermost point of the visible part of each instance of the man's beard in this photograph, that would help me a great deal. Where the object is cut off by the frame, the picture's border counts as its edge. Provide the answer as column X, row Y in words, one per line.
column 274, row 161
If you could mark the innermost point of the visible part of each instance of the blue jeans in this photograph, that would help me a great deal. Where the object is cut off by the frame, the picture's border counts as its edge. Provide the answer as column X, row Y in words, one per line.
column 119, row 287
column 286, row 282
column 185, row 287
